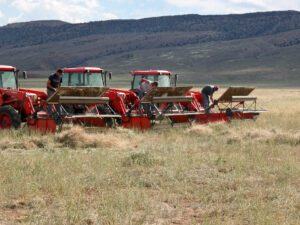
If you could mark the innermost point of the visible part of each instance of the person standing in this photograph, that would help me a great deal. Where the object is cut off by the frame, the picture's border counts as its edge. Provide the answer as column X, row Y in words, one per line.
column 54, row 82
column 207, row 94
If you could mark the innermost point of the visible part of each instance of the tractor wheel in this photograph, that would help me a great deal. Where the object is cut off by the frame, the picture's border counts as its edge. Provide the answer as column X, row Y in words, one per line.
column 9, row 118
column 105, row 110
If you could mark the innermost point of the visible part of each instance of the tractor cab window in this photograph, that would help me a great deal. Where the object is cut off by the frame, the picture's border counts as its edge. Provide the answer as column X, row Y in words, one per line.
column 82, row 79
column 163, row 80
column 7, row 80
column 94, row 79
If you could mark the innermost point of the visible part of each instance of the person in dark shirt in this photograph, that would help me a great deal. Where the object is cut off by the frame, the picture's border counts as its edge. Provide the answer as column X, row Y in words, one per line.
column 54, row 82
column 207, row 94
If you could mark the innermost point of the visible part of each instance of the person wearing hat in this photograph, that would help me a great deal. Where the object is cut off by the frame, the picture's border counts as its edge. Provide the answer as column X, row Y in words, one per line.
column 54, row 82
column 207, row 94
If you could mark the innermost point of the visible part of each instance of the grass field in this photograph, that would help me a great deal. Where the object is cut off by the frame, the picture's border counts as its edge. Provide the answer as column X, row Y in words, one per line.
column 244, row 172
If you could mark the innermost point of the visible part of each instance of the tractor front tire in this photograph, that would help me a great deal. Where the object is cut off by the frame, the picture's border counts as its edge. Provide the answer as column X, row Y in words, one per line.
column 9, row 118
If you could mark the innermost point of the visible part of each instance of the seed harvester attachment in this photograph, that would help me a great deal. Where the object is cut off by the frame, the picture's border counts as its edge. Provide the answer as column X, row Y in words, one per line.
column 167, row 103
column 87, row 106
column 235, row 103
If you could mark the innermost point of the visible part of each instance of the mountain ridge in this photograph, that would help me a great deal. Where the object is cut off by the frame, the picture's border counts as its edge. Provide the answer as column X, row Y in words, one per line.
column 206, row 42
column 231, row 27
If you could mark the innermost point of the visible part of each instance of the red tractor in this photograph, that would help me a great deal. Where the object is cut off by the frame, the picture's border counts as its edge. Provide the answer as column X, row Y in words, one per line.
column 74, row 102
column 18, row 105
column 235, row 103
column 170, row 101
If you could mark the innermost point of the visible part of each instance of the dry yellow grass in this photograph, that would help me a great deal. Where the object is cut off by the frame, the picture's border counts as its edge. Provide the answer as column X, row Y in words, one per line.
column 240, row 173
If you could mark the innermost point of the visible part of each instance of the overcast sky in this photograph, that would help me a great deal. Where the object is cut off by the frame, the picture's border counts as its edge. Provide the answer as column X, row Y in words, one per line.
column 75, row 11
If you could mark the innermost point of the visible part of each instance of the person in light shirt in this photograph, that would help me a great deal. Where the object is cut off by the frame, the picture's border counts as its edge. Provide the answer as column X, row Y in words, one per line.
column 145, row 87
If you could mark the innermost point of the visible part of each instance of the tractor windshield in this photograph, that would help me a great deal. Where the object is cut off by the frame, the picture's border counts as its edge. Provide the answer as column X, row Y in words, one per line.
column 7, row 79
column 163, row 80
column 83, row 79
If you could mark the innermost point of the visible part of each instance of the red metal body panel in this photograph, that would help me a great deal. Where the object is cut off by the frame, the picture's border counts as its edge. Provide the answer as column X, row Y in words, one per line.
column 244, row 116
column 180, row 119
column 211, row 117
column 151, row 72
column 7, row 68
column 44, row 125
column 141, row 122
column 83, row 70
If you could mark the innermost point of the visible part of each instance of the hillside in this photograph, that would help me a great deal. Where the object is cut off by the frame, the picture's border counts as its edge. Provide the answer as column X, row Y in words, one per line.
column 254, row 48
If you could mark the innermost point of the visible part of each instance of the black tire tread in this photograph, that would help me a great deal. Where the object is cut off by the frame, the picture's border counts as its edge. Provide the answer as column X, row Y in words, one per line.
column 15, row 117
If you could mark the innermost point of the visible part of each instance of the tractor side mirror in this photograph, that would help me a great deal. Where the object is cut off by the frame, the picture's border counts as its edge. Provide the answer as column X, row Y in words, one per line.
column 175, row 79
column 104, row 78
column 110, row 75
column 25, row 75
column 17, row 77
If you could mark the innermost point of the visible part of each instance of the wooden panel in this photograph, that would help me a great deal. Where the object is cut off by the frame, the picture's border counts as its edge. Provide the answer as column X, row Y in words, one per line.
column 235, row 91
column 166, row 92
column 83, row 100
column 77, row 92
column 173, row 99
column 243, row 98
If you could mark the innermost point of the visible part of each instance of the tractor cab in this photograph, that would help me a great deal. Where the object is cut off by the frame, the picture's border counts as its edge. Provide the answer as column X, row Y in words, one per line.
column 84, row 77
column 164, row 78
column 8, row 77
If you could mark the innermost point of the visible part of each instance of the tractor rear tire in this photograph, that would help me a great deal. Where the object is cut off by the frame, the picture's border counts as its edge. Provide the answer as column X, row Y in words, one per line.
column 9, row 118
